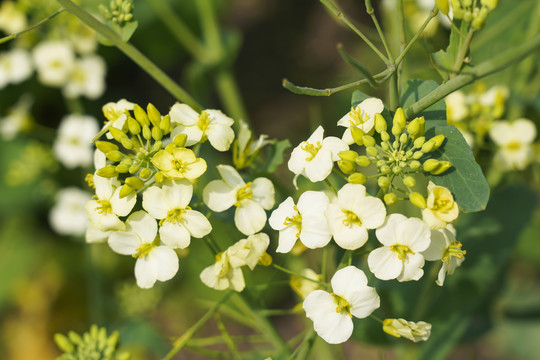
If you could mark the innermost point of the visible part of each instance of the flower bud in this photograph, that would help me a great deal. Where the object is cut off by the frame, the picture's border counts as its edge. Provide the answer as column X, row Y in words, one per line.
column 443, row 5
column 348, row 155
column 357, row 135
column 415, row 165
column 118, row 135
column 105, row 146
column 409, row 181
column 133, row 126
column 157, row 146
column 403, row 138
column 443, row 166
column 156, row 133
column 385, row 169
column 348, row 167
column 490, row 4
column 428, row 146
column 160, row 177
column 134, row 182
column 145, row 173
column 153, row 115
column 385, row 136
column 63, row 343
column 383, row 182
column 357, row 178
column 75, row 338
column 372, row 151
column 368, row 140
column 397, row 169
column 390, row 199
column 362, row 161
column 127, row 143
column 417, row 155
column 180, row 140
column 380, row 123
column 125, row 190
column 430, row 165
column 122, row 168
column 165, row 124
column 107, row 171
column 437, row 141
column 114, row 155
column 140, row 115
column 385, row 146
column 418, row 142
column 417, row 200
column 146, row 132
column 399, row 122
column 134, row 168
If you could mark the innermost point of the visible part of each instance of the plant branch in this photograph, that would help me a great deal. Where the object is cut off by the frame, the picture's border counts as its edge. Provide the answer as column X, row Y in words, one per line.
column 39, row 23
column 432, row 14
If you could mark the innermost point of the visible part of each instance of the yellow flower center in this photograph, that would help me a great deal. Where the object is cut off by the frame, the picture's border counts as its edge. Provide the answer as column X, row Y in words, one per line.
column 351, row 218
column 402, row 251
column 105, row 207
column 312, row 149
column 204, row 121
column 244, row 193
column 295, row 220
column 343, row 306
column 174, row 216
column 356, row 116
column 513, row 145
column 453, row 250
column 443, row 200
column 146, row 248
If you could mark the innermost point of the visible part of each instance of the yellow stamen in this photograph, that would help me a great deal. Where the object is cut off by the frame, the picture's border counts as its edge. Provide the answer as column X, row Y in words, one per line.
column 453, row 250
column 351, row 218
column 244, row 193
column 146, row 248
column 105, row 207
column 312, row 149
column 402, row 251
column 343, row 306
column 204, row 121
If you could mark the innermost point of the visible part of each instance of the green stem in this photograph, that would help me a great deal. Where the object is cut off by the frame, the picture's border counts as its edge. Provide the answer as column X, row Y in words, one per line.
column 39, row 23
column 133, row 53
column 432, row 14
column 210, row 29
column 213, row 340
column 371, row 13
column 484, row 69
column 393, row 89
column 183, row 340
column 462, row 53
column 179, row 29
column 227, row 338
column 324, row 263
column 376, row 318
column 230, row 95
column 357, row 65
column 303, row 350
column 339, row 14
column 290, row 272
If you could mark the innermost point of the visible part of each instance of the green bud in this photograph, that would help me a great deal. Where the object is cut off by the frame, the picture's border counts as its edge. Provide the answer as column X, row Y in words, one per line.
column 133, row 126
column 417, row 200
column 381, row 163
column 118, row 135
column 180, row 140
column 380, row 123
column 399, row 122
column 146, row 132
column 362, row 161
column 115, row 155
column 395, row 144
column 134, row 168
column 125, row 190
column 122, row 168
column 165, row 124
column 153, row 115
column 348, row 167
column 467, row 16
column 140, row 115
column 372, row 151
column 127, row 143
column 368, row 140
column 357, row 178
column 390, row 199
column 156, row 133
column 63, row 343
column 418, row 142
column 414, row 128
column 106, row 146
column 443, row 5
column 134, row 182
column 385, row 169
column 417, row 155
column 160, row 177
column 145, row 173
column 430, row 165
column 490, row 4
column 357, row 135
column 437, row 141
column 383, row 182
column 170, row 148
column 385, row 136
column 428, row 146
column 107, row 171
column 443, row 166
column 74, row 338
column 141, row 155
column 409, row 154
column 409, row 181
column 397, row 169
column 385, row 146
column 348, row 155
column 415, row 165
column 112, row 340
column 157, row 146
column 403, row 138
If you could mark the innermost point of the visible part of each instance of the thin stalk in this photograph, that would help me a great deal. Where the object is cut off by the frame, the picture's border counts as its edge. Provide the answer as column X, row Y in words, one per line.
column 462, row 53
column 432, row 14
column 227, row 88
column 39, row 23
column 133, row 53
column 339, row 14
column 290, row 272
column 484, row 69
column 207, row 16
column 179, row 29
column 183, row 340
column 371, row 13
column 393, row 91
column 324, row 263
column 303, row 350
column 213, row 340
column 403, row 29
column 227, row 338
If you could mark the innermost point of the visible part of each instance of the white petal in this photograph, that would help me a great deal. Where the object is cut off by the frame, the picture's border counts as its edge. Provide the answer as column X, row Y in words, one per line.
column 334, row 145
column 415, row 234
column 249, row 217
column 219, row 196
column 431, row 220
column 230, row 176
column 313, row 203
column 297, row 162
column 123, row 242
column 196, row 223
column 143, row 225
column 287, row 238
column 263, row 192
column 122, row 206
column 372, row 106
column 371, row 212
column 347, row 280
column 284, row 210
column 178, row 193
column 183, row 114
column 155, row 202
column 161, row 264
column 94, row 235
column 220, row 136
column 174, row 235
column 388, row 233
column 193, row 133
column 437, row 247
column 525, row 129
column 412, row 268
column 104, row 187
column 320, row 166
column 384, row 263
column 350, row 237
column 315, row 232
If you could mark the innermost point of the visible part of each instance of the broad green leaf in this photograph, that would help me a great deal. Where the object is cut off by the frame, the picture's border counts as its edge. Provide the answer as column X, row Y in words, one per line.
column 277, row 156
column 465, row 178
column 415, row 90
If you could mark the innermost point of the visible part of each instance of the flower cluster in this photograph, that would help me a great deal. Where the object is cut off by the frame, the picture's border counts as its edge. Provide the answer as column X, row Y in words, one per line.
column 468, row 11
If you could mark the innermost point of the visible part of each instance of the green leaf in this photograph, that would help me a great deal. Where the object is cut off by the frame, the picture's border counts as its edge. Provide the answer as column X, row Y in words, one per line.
column 415, row 90
column 277, row 156
column 128, row 29
column 445, row 60
column 465, row 178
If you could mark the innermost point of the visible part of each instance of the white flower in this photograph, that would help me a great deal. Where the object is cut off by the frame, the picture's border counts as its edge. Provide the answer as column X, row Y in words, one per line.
column 332, row 313
column 446, row 248
column 362, row 117
column 15, row 67
column 87, row 78
column 54, row 61
column 305, row 221
column 419, row 331
column 314, row 158
column 514, row 141
column 103, row 213
column 209, row 124
column 12, row 20
column 154, row 261
column 352, row 213
column 178, row 222
column 17, row 119
column 441, row 208
column 94, row 235
column 72, row 146
column 68, row 216
column 248, row 251
column 401, row 258
column 222, row 275
column 456, row 107
column 250, row 199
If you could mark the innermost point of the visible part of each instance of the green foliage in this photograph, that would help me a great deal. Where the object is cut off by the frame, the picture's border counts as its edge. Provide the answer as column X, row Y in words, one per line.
column 445, row 60
column 414, row 90
column 277, row 154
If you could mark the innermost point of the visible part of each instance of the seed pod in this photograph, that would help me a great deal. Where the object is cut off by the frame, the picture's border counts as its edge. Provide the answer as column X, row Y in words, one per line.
column 362, row 161
column 348, row 155
column 417, row 200
column 430, row 165
column 390, row 199
column 357, row 178
column 409, row 181
column 105, row 146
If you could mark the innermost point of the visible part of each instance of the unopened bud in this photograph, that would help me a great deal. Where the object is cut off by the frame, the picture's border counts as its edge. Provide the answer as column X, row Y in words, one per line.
column 417, row 155
column 357, row 135
column 490, row 4
column 418, row 142
column 385, row 136
column 105, row 146
column 385, row 146
column 348, row 167
column 385, row 169
column 125, row 190
column 145, row 173
column 107, row 171
column 372, row 151
column 409, row 181
column 118, row 135
column 430, row 165
column 140, row 115
column 415, row 165
column 153, row 115
column 133, row 126
column 127, row 143
column 156, row 133
column 134, row 182
column 134, row 168
column 180, row 140
column 380, row 123
column 399, row 122
column 417, row 200
column 362, row 161
column 390, row 199
column 157, row 146
column 160, row 177
column 368, row 140
column 383, row 182
column 437, row 141
column 397, row 169
column 348, row 155
column 146, row 132
column 357, row 178
column 428, row 146
column 63, row 343
column 443, row 166
column 165, row 124
column 403, row 138
column 115, row 155
column 443, row 5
